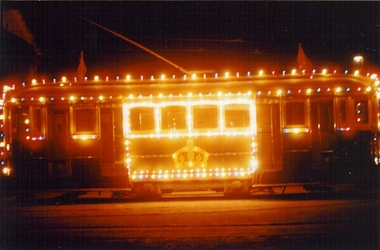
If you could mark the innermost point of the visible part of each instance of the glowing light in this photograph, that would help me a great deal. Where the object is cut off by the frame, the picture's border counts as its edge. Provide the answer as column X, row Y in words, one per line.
column 294, row 71
column 162, row 77
column 72, row 98
column 368, row 89
column 96, row 78
column 356, row 72
column 308, row 91
column 41, row 99
column 193, row 76
column 101, row 98
column 34, row 81
column 13, row 100
column 64, row 79
column 324, row 71
column 358, row 58
column 7, row 171
column 128, row 78
column 338, row 89
column 261, row 72
column 84, row 137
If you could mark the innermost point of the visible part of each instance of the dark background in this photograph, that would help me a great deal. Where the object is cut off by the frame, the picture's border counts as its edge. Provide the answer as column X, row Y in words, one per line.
column 236, row 36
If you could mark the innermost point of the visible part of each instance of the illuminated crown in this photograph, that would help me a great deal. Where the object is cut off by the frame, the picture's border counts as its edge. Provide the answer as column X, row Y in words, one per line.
column 190, row 156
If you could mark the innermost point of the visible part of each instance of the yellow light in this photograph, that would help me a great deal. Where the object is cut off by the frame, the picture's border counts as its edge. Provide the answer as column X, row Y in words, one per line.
column 13, row 100
column 194, row 76
column 128, row 78
column 358, row 58
column 368, row 89
column 261, row 72
column 308, row 91
column 373, row 76
column 338, row 89
column 324, row 71
column 42, row 99
column 356, row 72
column 96, row 78
column 279, row 92
column 101, row 98
column 72, row 98
column 294, row 71
column 34, row 81
column 162, row 77
column 227, row 74
column 7, row 171
column 64, row 79
column 26, row 121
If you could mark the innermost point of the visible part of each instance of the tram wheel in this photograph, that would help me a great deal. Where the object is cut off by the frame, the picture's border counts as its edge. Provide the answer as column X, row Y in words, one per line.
column 236, row 189
column 146, row 190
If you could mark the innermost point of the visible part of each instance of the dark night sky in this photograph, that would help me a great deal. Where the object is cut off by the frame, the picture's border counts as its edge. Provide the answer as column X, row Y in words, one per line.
column 194, row 35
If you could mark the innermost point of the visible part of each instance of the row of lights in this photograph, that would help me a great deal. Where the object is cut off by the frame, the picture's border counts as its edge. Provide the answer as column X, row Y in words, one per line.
column 190, row 173
column 259, row 93
column 163, row 77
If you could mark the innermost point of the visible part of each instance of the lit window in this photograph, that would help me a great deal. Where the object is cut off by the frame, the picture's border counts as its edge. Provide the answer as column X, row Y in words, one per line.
column 173, row 117
column 142, row 118
column 205, row 116
column 85, row 120
column 295, row 113
column 236, row 116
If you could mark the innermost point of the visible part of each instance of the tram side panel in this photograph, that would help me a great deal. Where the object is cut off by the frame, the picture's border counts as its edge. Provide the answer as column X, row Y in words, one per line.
column 315, row 139
column 28, row 146
column 62, row 146
column 182, row 143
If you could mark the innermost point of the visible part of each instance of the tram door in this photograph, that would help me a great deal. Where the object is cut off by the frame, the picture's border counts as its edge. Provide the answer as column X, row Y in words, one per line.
column 323, row 139
column 111, row 141
column 269, row 151
column 59, row 164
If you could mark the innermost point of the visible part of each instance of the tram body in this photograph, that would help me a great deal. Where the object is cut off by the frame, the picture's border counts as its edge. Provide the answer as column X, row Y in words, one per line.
column 215, row 133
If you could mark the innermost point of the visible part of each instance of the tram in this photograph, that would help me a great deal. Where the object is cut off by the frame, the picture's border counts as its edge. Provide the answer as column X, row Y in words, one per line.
column 211, row 132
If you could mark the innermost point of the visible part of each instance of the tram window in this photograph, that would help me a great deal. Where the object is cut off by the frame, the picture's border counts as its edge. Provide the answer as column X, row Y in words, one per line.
column 205, row 116
column 361, row 111
column 37, row 121
column 173, row 117
column 142, row 118
column 236, row 116
column 342, row 111
column 295, row 113
column 85, row 120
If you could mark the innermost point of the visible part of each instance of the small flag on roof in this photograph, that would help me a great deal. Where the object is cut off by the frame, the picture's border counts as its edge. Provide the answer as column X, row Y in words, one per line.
column 82, row 69
column 303, row 62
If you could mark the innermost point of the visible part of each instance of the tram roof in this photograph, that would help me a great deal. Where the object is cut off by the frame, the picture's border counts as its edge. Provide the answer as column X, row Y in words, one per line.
column 231, row 84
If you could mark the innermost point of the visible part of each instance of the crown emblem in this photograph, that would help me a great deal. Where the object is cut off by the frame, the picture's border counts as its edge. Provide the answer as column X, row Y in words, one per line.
column 190, row 156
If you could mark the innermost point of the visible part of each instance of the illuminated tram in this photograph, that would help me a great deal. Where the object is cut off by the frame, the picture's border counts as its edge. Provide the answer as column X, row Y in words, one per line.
column 224, row 133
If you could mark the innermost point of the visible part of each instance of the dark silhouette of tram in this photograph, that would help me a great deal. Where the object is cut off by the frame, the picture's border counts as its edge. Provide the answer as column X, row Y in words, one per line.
column 223, row 133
